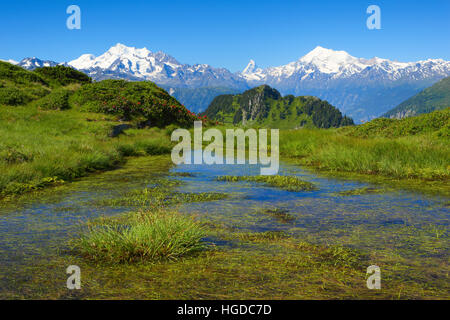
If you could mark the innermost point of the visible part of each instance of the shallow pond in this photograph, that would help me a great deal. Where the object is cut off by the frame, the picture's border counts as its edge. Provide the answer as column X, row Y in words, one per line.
column 404, row 231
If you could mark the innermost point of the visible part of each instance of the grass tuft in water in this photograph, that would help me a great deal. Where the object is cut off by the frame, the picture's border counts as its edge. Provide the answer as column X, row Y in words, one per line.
column 146, row 237
column 288, row 183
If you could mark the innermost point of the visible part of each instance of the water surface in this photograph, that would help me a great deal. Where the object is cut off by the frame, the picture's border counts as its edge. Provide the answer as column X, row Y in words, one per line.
column 404, row 228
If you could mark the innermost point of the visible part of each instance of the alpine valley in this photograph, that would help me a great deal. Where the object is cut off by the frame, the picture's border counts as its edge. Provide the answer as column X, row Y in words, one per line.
column 360, row 88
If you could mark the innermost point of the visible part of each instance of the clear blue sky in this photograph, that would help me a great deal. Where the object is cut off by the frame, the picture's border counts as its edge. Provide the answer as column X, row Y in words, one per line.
column 226, row 33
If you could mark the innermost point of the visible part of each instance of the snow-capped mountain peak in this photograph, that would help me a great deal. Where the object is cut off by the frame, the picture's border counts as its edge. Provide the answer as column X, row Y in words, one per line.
column 357, row 86
column 33, row 63
column 330, row 61
column 321, row 53
column 252, row 72
column 251, row 67
column 121, row 61
column 83, row 62
column 10, row 61
column 122, row 50
column 140, row 63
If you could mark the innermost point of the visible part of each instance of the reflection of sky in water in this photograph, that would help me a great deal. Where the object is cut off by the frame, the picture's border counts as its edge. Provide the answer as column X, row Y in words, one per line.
column 320, row 212
column 395, row 219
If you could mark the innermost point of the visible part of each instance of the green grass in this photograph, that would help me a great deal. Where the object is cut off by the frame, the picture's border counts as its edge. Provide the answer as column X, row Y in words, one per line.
column 288, row 183
column 423, row 155
column 38, row 146
column 436, row 123
column 56, row 125
column 147, row 236
column 19, row 86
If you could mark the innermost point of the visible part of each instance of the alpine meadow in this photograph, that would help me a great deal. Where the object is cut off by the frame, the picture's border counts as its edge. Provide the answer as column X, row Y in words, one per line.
column 320, row 174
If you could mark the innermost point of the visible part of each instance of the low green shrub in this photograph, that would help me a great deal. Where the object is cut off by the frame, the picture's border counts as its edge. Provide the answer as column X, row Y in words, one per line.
column 130, row 100
column 57, row 100
column 62, row 75
column 13, row 97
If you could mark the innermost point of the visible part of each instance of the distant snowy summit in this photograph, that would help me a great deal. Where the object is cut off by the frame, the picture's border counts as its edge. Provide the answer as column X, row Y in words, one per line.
column 10, row 61
column 333, row 64
column 132, row 63
column 33, row 63
column 361, row 88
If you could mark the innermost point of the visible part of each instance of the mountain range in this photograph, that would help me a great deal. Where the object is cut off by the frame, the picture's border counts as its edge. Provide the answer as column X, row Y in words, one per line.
column 360, row 88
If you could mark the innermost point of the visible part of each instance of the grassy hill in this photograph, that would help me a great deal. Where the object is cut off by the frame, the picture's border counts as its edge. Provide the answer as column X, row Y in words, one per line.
column 56, row 124
column 265, row 106
column 138, row 101
column 436, row 123
column 410, row 148
column 19, row 86
column 436, row 97
column 60, row 88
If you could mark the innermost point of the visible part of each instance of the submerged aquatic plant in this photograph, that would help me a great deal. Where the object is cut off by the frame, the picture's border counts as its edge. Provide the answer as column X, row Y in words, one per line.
column 361, row 191
column 162, row 196
column 280, row 214
column 288, row 183
column 263, row 236
column 437, row 230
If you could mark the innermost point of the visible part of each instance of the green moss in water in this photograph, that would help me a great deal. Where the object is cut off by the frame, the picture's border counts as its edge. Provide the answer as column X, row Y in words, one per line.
column 361, row 191
column 263, row 236
column 161, row 194
column 182, row 174
column 281, row 215
column 288, row 183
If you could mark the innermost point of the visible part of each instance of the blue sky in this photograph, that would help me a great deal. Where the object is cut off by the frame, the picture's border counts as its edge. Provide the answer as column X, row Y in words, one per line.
column 226, row 33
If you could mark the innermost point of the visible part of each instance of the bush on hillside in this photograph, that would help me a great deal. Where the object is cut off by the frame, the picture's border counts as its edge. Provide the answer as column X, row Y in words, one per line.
column 63, row 76
column 19, row 86
column 13, row 97
column 56, row 100
column 131, row 100
column 19, row 75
